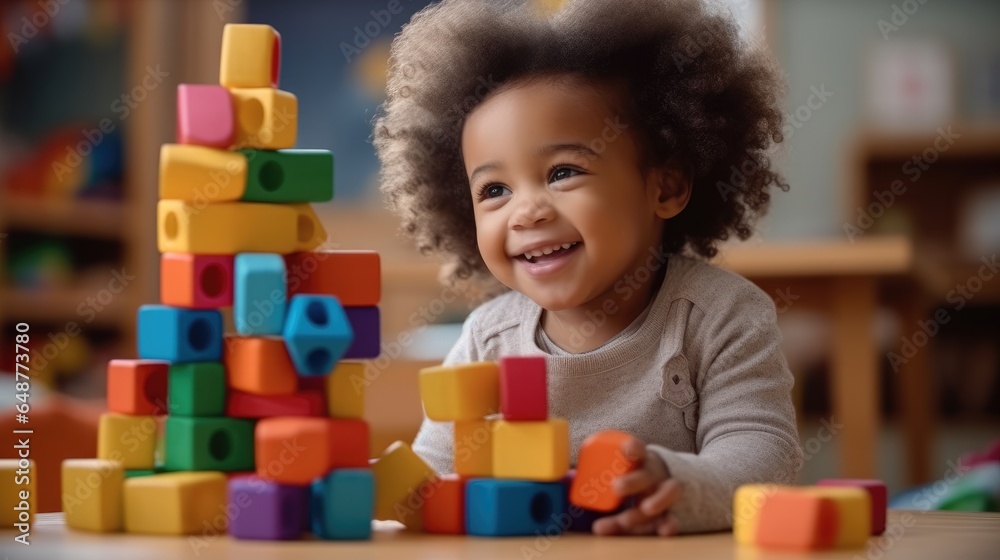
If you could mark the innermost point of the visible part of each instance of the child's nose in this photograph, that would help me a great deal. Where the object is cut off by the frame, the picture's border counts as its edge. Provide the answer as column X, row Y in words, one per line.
column 532, row 209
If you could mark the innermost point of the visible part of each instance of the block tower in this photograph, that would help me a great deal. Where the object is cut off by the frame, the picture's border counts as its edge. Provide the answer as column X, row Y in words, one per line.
column 263, row 421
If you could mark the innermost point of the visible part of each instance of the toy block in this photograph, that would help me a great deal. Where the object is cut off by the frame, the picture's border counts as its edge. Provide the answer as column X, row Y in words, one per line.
column 201, row 175
column 460, row 392
column 182, row 503
column 209, row 444
column 349, row 443
column 854, row 512
column 225, row 228
column 249, row 405
column 495, row 508
column 345, row 390
column 978, row 490
column 353, row 277
column 268, row 511
column 92, row 494
column 137, row 387
column 259, row 294
column 342, row 504
column 313, row 383
column 266, row 118
column 531, row 450
column 196, row 281
column 205, row 115
column 796, row 520
column 399, row 473
column 179, row 335
column 259, row 365
column 251, row 56
column 474, row 448
column 130, row 440
column 523, row 388
column 317, row 445
column 748, row 500
column 316, row 333
column 140, row 472
column 366, row 325
column 197, row 389
column 876, row 491
column 289, row 176
column 581, row 520
column 601, row 460
column 444, row 508
column 17, row 492
column 160, row 450
column 310, row 232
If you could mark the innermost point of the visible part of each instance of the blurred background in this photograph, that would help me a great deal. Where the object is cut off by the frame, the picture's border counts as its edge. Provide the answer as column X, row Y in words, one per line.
column 881, row 258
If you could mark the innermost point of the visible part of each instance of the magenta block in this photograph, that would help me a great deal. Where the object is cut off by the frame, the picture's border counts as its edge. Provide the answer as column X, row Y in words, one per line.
column 266, row 510
column 876, row 489
column 365, row 323
column 523, row 389
column 205, row 115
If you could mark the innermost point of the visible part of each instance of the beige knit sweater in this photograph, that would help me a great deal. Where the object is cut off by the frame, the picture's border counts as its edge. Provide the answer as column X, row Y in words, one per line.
column 700, row 377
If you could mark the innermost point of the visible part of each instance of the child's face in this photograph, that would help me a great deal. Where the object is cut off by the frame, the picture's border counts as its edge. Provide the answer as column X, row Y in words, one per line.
column 553, row 169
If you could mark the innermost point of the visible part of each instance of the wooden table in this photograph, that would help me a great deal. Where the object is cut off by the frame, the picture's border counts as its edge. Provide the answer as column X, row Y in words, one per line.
column 911, row 536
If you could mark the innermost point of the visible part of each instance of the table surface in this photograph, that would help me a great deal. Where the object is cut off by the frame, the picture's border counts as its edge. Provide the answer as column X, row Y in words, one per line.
column 911, row 535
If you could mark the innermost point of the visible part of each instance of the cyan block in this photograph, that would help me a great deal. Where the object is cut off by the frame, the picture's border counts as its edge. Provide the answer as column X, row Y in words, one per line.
column 495, row 508
column 289, row 176
column 342, row 505
column 268, row 511
column 317, row 333
column 259, row 293
column 366, row 324
column 179, row 335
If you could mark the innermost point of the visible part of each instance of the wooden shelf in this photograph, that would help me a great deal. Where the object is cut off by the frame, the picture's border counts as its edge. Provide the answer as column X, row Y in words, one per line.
column 62, row 306
column 975, row 140
column 91, row 218
column 887, row 255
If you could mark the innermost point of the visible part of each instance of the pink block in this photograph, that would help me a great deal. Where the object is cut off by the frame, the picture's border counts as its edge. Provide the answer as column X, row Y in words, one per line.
column 196, row 281
column 205, row 115
column 523, row 389
column 876, row 489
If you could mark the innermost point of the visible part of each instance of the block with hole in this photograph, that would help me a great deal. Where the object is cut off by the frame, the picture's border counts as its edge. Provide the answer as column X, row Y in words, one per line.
column 748, row 500
column 197, row 389
column 196, row 281
column 523, row 388
column 251, row 56
column 342, row 505
column 600, row 461
column 208, row 444
column 317, row 333
column 249, row 405
column 345, row 390
column 92, row 494
column 531, row 450
column 473, row 447
column 137, row 387
column 182, row 503
column 205, row 116
column 200, row 174
column 259, row 365
column 353, row 277
column 444, row 508
column 460, row 392
column 315, row 446
column 130, row 440
column 268, row 510
column 310, row 233
column 794, row 520
column 503, row 508
column 17, row 491
column 400, row 472
column 266, row 118
column 876, row 492
column 225, row 228
column 294, row 175
column 259, row 294
column 179, row 335
column 366, row 324
column 854, row 510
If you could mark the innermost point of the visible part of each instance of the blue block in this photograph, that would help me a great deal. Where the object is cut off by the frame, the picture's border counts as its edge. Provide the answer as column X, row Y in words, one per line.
column 342, row 505
column 316, row 333
column 179, row 335
column 497, row 508
column 366, row 324
column 259, row 294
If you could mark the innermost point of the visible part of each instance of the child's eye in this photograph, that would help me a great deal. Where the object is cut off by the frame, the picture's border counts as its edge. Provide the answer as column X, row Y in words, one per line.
column 492, row 191
column 560, row 173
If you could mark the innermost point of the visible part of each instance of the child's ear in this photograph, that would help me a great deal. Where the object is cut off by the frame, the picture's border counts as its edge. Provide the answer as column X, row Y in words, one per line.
column 670, row 187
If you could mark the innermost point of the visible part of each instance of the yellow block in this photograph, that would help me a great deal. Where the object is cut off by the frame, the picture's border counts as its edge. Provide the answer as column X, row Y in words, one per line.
column 747, row 503
column 398, row 474
column 474, row 448
column 310, row 233
column 92, row 494
column 225, row 228
column 854, row 510
column 266, row 118
column 17, row 492
column 129, row 440
column 531, row 450
column 174, row 503
column 345, row 390
column 461, row 392
column 251, row 56
column 200, row 174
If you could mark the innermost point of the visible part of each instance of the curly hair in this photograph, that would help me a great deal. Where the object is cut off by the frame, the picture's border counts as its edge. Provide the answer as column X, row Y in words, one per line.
column 696, row 90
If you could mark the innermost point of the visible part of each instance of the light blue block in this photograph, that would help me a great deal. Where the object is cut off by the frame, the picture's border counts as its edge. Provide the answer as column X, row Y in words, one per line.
column 317, row 333
column 342, row 504
column 179, row 335
column 259, row 294
column 498, row 508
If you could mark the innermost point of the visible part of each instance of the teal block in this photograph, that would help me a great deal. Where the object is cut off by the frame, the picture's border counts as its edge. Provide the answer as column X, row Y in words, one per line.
column 197, row 389
column 495, row 508
column 317, row 333
column 289, row 176
column 209, row 444
column 342, row 504
column 259, row 293
column 179, row 335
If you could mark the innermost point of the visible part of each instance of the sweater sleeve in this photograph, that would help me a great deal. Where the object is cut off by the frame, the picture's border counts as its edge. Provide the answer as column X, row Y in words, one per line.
column 746, row 431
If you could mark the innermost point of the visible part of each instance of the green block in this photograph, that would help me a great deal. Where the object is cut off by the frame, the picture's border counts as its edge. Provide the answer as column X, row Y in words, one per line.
column 197, row 389
column 289, row 176
column 130, row 474
column 209, row 444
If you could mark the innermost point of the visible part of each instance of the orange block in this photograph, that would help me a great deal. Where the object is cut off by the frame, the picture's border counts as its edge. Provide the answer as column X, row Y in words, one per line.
column 296, row 450
column 259, row 365
column 795, row 520
column 601, row 461
column 444, row 508
column 137, row 387
column 196, row 281
column 354, row 277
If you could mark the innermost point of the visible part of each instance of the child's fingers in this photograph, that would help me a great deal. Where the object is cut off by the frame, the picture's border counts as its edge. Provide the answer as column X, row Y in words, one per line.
column 634, row 450
column 628, row 522
column 667, row 526
column 662, row 499
column 634, row 482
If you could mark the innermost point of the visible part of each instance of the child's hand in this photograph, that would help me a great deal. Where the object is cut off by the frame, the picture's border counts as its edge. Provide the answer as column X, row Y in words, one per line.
column 655, row 492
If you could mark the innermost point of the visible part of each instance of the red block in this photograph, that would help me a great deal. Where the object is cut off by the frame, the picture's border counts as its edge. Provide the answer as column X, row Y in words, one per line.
column 249, row 405
column 354, row 277
column 601, row 461
column 876, row 490
column 523, row 388
column 137, row 387
column 444, row 508
column 348, row 443
column 794, row 520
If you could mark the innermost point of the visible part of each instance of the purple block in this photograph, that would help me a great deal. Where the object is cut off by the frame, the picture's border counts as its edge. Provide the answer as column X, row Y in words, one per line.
column 266, row 511
column 367, row 333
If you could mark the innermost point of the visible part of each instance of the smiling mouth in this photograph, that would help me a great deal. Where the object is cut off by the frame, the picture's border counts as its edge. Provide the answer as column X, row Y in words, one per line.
column 549, row 253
